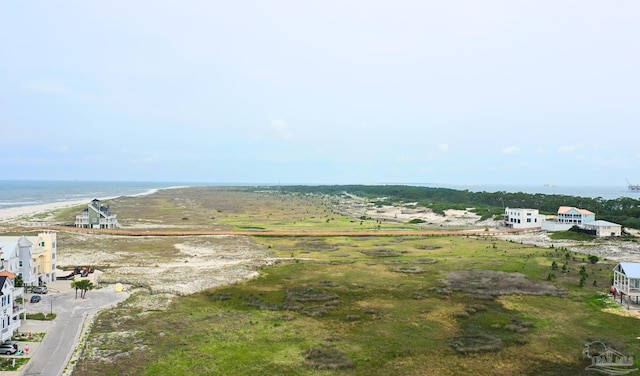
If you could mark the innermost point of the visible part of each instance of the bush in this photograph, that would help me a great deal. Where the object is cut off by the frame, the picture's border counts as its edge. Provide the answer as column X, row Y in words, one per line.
column 41, row 316
column 327, row 358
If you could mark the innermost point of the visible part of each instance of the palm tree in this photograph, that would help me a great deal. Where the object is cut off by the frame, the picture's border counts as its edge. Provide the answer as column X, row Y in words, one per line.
column 83, row 285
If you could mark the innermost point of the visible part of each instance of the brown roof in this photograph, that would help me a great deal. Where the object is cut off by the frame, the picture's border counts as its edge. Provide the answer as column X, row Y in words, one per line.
column 8, row 274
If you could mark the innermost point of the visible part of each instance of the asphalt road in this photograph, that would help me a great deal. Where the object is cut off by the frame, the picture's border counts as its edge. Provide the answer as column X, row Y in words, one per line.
column 63, row 334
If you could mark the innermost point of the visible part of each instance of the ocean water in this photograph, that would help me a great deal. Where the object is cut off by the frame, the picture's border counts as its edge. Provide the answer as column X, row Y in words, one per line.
column 16, row 193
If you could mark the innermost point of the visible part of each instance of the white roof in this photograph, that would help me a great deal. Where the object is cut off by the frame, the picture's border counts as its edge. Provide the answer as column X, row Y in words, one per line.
column 630, row 269
column 601, row 223
column 9, row 244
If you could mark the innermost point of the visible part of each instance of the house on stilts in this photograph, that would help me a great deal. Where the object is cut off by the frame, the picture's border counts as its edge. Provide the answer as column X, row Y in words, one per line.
column 626, row 283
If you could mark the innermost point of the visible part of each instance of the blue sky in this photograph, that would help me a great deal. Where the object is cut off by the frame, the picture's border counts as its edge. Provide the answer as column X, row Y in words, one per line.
column 321, row 92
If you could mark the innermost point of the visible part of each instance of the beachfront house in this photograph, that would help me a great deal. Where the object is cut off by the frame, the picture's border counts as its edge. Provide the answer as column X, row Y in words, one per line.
column 626, row 282
column 567, row 217
column 603, row 228
column 522, row 218
column 33, row 258
column 97, row 215
column 16, row 258
column 10, row 309
column 44, row 255
column 573, row 216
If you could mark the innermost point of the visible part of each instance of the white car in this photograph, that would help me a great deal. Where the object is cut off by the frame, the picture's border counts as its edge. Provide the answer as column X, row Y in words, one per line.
column 40, row 290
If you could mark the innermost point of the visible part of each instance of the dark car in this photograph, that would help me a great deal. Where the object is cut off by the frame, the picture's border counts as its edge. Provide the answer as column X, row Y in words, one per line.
column 8, row 348
column 40, row 290
column 35, row 299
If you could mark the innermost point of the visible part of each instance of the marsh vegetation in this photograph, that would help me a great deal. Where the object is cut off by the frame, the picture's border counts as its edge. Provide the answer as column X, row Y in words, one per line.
column 363, row 305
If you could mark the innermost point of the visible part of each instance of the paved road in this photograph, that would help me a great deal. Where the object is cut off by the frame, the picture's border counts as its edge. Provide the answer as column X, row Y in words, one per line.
column 63, row 334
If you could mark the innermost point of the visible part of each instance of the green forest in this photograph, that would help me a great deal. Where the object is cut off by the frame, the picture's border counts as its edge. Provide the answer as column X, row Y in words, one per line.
column 623, row 210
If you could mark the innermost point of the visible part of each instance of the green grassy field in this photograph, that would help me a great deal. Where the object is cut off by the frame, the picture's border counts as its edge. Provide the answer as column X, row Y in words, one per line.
column 370, row 316
column 367, row 305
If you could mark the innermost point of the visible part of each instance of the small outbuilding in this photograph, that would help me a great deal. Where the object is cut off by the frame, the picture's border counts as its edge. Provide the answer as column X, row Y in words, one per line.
column 604, row 228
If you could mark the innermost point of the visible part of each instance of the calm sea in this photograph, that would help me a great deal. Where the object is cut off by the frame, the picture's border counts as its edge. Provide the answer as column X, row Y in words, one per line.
column 15, row 193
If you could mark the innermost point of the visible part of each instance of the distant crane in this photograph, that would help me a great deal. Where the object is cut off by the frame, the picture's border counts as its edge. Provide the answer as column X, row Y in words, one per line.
column 633, row 187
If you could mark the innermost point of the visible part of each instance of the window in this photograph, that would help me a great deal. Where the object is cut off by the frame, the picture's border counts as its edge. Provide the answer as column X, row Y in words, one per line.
column 20, row 263
column 53, row 255
column 528, row 220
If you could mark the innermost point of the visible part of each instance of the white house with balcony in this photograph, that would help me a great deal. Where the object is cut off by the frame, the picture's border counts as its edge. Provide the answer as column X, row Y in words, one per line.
column 626, row 282
column 567, row 217
column 522, row 218
column 574, row 217
column 97, row 215
column 16, row 258
column 10, row 309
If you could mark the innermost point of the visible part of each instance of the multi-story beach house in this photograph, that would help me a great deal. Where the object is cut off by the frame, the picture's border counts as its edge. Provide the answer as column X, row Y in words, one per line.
column 33, row 258
column 43, row 254
column 10, row 309
column 574, row 216
column 569, row 216
column 522, row 218
column 16, row 257
column 96, row 215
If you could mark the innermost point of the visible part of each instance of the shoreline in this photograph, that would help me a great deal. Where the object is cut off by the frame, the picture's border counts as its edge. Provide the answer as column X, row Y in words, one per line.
column 13, row 213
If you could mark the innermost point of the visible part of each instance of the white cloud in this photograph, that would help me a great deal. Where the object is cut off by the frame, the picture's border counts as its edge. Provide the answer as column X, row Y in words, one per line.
column 280, row 129
column 566, row 149
column 511, row 150
column 443, row 147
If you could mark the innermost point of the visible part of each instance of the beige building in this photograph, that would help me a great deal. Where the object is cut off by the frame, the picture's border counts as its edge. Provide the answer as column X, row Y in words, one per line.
column 44, row 254
column 604, row 228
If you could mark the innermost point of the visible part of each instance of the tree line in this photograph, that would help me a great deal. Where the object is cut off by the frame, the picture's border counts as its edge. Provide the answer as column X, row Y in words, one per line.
column 622, row 210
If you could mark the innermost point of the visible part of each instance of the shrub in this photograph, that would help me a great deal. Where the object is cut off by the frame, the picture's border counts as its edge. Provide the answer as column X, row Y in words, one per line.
column 327, row 358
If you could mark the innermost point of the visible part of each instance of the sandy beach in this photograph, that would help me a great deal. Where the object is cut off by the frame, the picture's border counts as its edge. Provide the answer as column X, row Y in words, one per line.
column 11, row 214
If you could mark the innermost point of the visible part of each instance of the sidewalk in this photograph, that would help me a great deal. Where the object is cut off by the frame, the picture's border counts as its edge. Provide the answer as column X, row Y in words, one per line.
column 28, row 326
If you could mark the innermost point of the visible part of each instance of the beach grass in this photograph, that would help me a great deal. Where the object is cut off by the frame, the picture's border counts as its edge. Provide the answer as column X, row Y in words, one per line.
column 364, row 316
column 353, row 305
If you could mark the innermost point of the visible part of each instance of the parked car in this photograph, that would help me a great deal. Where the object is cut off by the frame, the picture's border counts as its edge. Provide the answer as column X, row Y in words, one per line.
column 35, row 299
column 40, row 290
column 8, row 348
